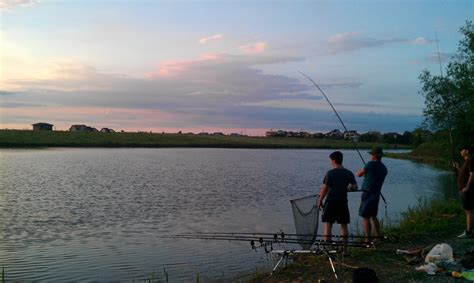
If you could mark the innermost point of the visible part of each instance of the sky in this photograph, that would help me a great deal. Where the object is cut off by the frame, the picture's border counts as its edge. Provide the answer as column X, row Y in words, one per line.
column 222, row 66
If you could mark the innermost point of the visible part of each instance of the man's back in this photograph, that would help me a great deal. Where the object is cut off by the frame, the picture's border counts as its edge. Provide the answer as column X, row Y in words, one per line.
column 337, row 180
column 375, row 172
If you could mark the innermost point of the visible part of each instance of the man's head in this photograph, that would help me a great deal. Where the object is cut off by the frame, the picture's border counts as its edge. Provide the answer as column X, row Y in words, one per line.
column 336, row 156
column 376, row 153
column 466, row 151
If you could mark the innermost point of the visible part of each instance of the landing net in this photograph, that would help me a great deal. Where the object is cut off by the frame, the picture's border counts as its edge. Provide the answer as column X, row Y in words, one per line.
column 306, row 217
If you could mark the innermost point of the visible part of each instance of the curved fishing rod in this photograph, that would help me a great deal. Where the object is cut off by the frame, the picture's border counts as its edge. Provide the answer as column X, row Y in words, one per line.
column 448, row 120
column 343, row 125
column 334, row 109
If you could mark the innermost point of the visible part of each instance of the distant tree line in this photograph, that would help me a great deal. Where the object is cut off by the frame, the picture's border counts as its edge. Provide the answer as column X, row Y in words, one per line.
column 415, row 137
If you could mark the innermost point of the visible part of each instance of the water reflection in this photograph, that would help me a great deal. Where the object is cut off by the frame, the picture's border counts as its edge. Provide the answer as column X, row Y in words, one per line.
column 96, row 214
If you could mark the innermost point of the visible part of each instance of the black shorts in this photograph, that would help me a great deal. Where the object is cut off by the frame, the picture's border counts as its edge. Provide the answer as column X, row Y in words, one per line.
column 336, row 211
column 369, row 205
column 467, row 199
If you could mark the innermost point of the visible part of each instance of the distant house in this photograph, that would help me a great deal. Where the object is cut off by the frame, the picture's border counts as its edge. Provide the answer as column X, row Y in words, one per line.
column 218, row 134
column 82, row 128
column 351, row 135
column 279, row 133
column 318, row 136
column 42, row 127
column 335, row 134
column 107, row 130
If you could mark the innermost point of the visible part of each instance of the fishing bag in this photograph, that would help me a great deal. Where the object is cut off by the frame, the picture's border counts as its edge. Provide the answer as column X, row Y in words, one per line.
column 364, row 275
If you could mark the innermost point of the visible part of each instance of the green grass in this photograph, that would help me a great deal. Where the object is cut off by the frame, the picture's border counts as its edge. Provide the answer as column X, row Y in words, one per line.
column 438, row 153
column 17, row 138
column 429, row 220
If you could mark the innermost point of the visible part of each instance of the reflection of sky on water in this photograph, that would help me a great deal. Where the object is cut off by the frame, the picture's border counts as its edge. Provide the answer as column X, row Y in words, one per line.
column 96, row 214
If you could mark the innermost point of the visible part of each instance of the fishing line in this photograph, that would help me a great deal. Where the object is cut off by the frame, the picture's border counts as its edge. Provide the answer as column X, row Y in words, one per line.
column 343, row 125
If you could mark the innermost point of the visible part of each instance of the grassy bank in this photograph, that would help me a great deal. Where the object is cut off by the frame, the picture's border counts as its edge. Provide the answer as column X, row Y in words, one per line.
column 439, row 154
column 426, row 224
column 17, row 138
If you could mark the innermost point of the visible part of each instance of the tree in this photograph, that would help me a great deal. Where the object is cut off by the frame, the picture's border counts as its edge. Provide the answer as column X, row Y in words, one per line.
column 449, row 100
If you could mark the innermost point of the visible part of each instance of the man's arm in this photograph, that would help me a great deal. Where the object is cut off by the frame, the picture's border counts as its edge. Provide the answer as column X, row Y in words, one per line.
column 322, row 194
column 470, row 183
column 361, row 172
column 352, row 185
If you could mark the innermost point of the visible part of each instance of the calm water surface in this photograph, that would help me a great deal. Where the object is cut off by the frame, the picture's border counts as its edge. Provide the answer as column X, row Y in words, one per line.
column 97, row 214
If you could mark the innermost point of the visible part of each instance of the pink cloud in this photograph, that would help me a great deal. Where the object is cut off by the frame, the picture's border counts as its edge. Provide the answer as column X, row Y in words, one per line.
column 6, row 5
column 173, row 68
column 205, row 40
column 256, row 48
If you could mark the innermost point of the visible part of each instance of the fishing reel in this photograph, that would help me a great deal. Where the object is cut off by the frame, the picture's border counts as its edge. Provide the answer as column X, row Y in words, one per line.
column 266, row 244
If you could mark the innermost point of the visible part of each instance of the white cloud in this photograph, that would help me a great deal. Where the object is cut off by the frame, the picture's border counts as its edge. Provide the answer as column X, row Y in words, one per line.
column 206, row 40
column 420, row 41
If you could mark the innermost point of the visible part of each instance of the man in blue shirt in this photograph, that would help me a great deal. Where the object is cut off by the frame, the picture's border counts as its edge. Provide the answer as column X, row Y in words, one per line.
column 374, row 174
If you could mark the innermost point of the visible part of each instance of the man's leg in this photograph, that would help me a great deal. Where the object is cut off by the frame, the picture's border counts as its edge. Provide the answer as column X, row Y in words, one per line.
column 468, row 221
column 327, row 231
column 367, row 228
column 344, row 232
column 375, row 223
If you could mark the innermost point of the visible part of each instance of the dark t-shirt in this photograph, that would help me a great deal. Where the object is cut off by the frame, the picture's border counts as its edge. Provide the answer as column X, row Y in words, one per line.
column 337, row 180
column 375, row 172
column 463, row 177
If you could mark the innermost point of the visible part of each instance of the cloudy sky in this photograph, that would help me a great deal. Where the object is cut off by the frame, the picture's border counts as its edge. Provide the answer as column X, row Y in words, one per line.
column 228, row 66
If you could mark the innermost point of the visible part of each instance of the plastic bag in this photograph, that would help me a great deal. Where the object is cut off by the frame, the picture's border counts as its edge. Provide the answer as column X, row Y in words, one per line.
column 440, row 252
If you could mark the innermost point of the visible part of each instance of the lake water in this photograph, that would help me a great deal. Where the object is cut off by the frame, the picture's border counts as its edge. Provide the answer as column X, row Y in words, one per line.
column 97, row 214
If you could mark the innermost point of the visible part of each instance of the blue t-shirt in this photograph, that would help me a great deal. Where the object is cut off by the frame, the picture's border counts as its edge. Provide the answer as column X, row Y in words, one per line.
column 375, row 172
column 337, row 180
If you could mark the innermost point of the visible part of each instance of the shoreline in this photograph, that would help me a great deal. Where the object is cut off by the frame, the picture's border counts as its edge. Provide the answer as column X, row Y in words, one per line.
column 63, row 139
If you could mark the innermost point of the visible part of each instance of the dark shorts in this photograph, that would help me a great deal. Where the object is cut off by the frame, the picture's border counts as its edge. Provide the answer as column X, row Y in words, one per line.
column 336, row 211
column 369, row 205
column 467, row 200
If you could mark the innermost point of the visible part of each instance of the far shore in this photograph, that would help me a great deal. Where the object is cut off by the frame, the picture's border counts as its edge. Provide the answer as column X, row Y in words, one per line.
column 35, row 139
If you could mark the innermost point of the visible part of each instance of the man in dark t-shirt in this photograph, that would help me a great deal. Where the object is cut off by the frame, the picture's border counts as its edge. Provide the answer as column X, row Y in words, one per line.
column 465, row 184
column 334, row 189
column 374, row 173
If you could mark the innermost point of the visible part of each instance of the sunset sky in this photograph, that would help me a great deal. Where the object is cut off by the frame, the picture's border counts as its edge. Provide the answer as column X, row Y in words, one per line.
column 229, row 66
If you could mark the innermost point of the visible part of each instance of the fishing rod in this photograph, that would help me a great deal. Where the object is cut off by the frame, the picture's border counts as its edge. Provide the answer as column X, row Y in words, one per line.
column 269, row 241
column 448, row 120
column 343, row 125
column 282, row 235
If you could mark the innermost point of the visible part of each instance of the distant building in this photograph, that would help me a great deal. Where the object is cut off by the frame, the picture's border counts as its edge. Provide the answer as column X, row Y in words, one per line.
column 42, row 127
column 218, row 134
column 351, row 135
column 318, row 136
column 107, row 130
column 82, row 128
column 335, row 134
